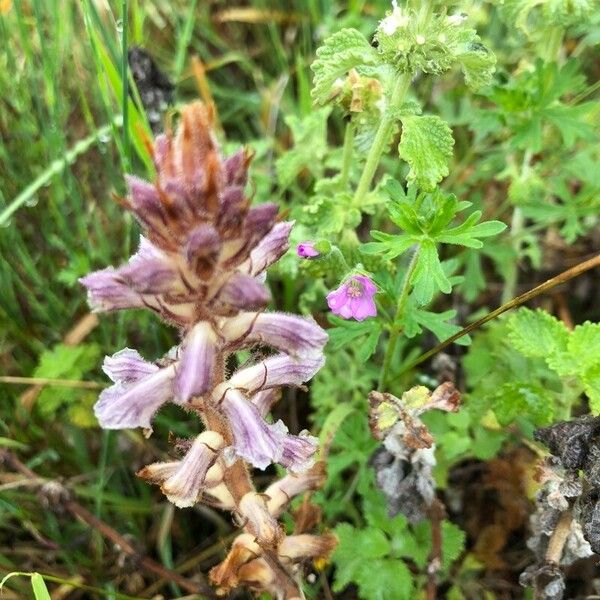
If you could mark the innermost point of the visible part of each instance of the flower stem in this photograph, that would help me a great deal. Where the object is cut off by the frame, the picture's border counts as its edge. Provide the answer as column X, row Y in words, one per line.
column 382, row 136
column 395, row 331
column 347, row 154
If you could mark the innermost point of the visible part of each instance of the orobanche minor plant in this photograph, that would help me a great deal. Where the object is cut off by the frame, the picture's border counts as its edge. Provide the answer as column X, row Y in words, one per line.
column 200, row 267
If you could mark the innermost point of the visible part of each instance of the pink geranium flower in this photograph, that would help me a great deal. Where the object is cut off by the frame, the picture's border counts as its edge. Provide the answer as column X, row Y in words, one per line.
column 307, row 250
column 354, row 299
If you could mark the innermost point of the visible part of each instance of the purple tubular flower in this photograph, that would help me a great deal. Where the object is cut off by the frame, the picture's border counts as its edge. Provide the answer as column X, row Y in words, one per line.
column 127, row 366
column 297, row 336
column 273, row 372
column 194, row 372
column 253, row 508
column 274, row 245
column 354, row 299
column 307, row 250
column 182, row 481
column 298, row 452
column 107, row 291
column 134, row 399
column 243, row 292
column 236, row 168
column 183, row 487
column 150, row 271
column 261, row 219
column 202, row 249
column 144, row 198
column 254, row 439
column 265, row 399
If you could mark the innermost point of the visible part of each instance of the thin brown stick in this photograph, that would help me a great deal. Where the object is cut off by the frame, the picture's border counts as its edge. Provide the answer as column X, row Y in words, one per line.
column 114, row 536
column 514, row 303
column 436, row 516
column 43, row 381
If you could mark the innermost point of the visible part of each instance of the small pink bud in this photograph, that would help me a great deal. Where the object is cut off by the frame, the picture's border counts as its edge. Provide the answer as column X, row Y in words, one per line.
column 307, row 250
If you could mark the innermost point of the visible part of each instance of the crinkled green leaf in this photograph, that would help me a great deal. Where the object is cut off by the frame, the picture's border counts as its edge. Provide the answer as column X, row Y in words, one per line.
column 537, row 333
column 477, row 63
column 584, row 345
column 344, row 50
column 426, row 145
column 591, row 385
column 524, row 400
column 310, row 146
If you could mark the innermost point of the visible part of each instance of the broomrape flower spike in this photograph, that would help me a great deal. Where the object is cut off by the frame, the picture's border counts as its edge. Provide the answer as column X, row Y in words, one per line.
column 354, row 299
column 201, row 267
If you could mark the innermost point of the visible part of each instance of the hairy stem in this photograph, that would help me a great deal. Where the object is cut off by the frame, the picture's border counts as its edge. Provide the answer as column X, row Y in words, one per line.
column 395, row 331
column 382, row 136
column 347, row 154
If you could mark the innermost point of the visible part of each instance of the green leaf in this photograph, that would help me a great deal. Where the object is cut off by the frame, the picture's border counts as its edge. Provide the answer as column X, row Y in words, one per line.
column 344, row 50
column 584, row 345
column 40, row 591
column 354, row 548
column 569, row 122
column 64, row 361
column 385, row 579
column 310, row 146
column 477, row 63
column 389, row 246
column 426, row 145
column 429, row 274
column 468, row 233
column 417, row 318
column 524, row 400
column 591, row 386
column 537, row 333
column 346, row 331
column 487, row 443
column 453, row 543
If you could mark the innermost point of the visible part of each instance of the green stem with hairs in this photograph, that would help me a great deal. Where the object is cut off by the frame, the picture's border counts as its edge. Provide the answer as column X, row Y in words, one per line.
column 395, row 330
column 382, row 136
column 347, row 154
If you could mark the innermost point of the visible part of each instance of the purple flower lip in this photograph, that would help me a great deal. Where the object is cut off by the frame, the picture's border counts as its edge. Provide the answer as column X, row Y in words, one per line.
column 296, row 336
column 307, row 250
column 354, row 299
